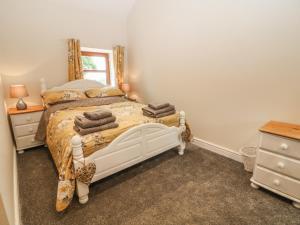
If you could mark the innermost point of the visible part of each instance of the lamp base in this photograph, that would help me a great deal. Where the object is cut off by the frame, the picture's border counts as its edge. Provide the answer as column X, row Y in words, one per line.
column 21, row 105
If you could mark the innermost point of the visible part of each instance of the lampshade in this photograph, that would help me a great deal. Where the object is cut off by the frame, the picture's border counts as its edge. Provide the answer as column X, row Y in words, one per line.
column 126, row 87
column 18, row 91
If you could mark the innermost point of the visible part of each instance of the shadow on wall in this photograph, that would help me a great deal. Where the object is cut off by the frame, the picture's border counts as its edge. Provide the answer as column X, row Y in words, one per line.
column 54, row 72
column 3, row 216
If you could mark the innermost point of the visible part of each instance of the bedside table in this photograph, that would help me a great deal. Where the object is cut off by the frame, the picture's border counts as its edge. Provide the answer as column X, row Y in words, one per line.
column 24, row 125
column 277, row 166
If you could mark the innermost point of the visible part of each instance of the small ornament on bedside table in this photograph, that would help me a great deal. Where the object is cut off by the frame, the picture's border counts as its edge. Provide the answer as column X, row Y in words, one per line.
column 19, row 91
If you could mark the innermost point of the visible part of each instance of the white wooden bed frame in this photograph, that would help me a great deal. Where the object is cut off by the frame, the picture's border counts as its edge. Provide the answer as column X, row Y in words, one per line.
column 133, row 146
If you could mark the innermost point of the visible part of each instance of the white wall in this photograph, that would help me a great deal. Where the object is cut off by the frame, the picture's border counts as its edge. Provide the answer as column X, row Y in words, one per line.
column 6, row 161
column 231, row 65
column 34, row 33
column 33, row 44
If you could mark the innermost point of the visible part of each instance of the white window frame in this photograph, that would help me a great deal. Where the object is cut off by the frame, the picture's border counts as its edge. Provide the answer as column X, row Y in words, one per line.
column 110, row 58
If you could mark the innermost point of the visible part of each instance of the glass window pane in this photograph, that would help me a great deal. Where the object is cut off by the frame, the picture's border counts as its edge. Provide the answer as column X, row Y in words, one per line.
column 96, row 76
column 94, row 62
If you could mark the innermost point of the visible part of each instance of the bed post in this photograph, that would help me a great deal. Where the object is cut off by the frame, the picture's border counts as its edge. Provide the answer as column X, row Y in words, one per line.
column 43, row 88
column 182, row 129
column 78, row 160
column 43, row 85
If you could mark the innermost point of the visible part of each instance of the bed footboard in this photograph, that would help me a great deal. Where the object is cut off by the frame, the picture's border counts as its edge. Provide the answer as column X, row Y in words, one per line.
column 133, row 146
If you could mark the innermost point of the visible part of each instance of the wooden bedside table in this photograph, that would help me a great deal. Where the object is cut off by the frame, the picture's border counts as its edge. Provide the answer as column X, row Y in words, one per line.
column 277, row 166
column 24, row 124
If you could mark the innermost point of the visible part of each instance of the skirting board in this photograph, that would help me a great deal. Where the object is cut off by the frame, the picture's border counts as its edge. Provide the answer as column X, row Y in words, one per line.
column 217, row 149
column 16, row 189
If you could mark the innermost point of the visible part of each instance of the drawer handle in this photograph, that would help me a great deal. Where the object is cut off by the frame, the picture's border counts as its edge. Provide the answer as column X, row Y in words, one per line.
column 284, row 146
column 276, row 182
column 28, row 118
column 30, row 130
column 281, row 165
column 32, row 140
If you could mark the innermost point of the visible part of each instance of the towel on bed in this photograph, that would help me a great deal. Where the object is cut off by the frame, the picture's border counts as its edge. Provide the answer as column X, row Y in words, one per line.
column 157, row 106
column 84, row 122
column 86, row 131
column 97, row 115
column 146, row 113
column 158, row 111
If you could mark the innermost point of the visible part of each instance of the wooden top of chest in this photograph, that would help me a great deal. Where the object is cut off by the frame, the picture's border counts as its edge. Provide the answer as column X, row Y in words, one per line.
column 36, row 108
column 283, row 129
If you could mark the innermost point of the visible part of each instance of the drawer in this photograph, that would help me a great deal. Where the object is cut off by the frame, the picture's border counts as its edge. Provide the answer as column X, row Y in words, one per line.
column 27, row 142
column 26, row 118
column 281, row 164
column 24, row 130
column 278, row 182
column 281, row 145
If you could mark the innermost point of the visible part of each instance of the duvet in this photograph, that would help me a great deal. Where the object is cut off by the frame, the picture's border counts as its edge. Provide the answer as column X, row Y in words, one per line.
column 57, row 127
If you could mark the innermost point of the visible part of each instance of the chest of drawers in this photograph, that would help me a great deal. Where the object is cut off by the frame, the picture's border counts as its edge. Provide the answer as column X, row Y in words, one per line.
column 24, row 126
column 277, row 166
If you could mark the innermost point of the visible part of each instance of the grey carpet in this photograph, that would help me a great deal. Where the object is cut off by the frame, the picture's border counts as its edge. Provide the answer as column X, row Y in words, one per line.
column 198, row 188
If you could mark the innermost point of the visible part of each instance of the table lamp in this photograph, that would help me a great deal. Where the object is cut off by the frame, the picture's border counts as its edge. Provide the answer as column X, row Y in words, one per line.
column 126, row 89
column 19, row 91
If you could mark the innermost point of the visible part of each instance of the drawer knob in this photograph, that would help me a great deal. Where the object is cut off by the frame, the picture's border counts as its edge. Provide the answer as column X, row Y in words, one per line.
column 28, row 118
column 276, row 182
column 32, row 140
column 31, row 130
column 284, row 146
column 281, row 165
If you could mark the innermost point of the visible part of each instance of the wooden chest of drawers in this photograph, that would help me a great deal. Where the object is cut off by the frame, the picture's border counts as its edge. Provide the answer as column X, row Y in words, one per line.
column 24, row 126
column 277, row 166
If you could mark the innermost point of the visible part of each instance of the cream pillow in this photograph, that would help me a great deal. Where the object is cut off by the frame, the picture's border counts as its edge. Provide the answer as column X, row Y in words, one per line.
column 60, row 96
column 104, row 92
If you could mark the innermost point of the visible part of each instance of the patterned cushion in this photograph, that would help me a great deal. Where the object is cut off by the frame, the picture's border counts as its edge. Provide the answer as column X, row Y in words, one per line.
column 60, row 96
column 104, row 92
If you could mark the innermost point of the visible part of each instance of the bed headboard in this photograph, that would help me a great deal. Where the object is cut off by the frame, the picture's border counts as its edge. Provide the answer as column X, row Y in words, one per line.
column 76, row 84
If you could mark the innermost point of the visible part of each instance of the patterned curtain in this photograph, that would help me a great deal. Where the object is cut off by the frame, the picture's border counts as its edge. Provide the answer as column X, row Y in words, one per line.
column 119, row 64
column 74, row 60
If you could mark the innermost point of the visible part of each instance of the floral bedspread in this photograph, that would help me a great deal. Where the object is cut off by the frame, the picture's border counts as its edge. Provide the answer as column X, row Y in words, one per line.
column 60, row 132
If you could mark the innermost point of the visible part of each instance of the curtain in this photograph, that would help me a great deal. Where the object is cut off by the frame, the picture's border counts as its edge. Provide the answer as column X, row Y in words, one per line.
column 119, row 64
column 74, row 60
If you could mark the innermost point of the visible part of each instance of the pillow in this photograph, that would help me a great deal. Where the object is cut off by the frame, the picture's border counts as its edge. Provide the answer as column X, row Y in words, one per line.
column 61, row 96
column 104, row 92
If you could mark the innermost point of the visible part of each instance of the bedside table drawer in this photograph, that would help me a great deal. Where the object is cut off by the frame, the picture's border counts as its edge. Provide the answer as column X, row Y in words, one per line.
column 26, row 118
column 278, row 182
column 280, row 164
column 24, row 130
column 27, row 141
column 281, row 145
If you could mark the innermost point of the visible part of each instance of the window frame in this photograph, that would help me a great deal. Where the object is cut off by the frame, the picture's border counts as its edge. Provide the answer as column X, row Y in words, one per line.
column 102, row 54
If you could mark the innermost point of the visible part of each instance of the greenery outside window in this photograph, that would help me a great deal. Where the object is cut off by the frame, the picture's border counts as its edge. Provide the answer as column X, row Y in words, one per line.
column 96, row 66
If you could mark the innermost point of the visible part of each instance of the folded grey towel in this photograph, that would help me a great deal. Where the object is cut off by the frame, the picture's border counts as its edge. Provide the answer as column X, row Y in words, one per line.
column 97, row 115
column 157, row 106
column 145, row 113
column 84, row 122
column 86, row 131
column 153, row 112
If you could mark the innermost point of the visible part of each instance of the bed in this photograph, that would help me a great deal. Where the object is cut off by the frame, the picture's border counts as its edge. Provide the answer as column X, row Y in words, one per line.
column 137, row 141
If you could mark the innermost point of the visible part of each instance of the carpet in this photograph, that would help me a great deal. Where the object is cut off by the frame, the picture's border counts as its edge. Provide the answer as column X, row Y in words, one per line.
column 197, row 188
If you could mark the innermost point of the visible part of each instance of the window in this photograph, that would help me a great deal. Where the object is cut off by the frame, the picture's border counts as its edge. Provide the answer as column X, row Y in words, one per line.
column 96, row 66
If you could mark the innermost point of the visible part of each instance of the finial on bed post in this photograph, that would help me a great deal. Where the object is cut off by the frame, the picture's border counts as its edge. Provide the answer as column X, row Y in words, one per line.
column 78, row 161
column 182, row 120
column 182, row 128
column 43, row 85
